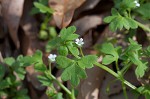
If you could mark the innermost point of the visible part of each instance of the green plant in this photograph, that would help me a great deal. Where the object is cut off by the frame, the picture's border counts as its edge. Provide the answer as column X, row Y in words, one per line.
column 46, row 31
column 122, row 17
column 12, row 73
column 72, row 61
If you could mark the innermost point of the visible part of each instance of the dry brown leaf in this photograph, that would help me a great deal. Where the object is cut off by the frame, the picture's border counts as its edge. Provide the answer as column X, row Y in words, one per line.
column 64, row 10
column 88, row 5
column 12, row 12
column 89, row 88
column 86, row 23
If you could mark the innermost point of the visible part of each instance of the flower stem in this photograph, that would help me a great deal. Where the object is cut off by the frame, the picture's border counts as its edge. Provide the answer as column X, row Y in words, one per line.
column 81, row 51
column 50, row 70
column 62, row 86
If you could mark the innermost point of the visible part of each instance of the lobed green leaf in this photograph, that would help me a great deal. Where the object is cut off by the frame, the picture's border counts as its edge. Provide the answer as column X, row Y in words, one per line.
column 63, row 61
column 73, row 73
column 87, row 61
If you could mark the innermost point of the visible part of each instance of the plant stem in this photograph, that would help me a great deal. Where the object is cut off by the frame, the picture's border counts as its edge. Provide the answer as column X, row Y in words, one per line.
column 114, row 74
column 124, row 90
column 129, row 11
column 123, row 71
column 62, row 86
column 123, row 86
column 50, row 70
column 117, row 67
column 143, row 26
column 129, row 84
column 72, row 94
column 81, row 51
column 107, row 69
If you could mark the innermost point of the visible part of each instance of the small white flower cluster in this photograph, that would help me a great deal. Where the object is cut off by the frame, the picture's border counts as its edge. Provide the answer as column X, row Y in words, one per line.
column 52, row 57
column 137, row 3
column 79, row 42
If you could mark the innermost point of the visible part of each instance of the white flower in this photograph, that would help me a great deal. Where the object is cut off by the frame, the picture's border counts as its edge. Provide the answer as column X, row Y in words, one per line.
column 52, row 57
column 79, row 42
column 137, row 4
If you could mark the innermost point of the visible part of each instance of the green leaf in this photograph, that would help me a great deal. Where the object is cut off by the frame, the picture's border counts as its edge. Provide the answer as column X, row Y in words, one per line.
column 44, row 2
column 108, row 48
column 58, row 96
column 87, row 61
column 2, row 71
column 147, row 96
column 73, row 73
column 43, row 8
column 144, row 10
column 125, row 24
column 118, row 22
column 113, row 25
column 43, row 35
column 72, row 37
column 74, row 51
column 52, row 32
column 9, row 61
column 132, row 23
column 45, row 80
column 63, row 61
column 111, row 53
column 147, row 51
column 108, row 19
column 37, row 56
column 27, row 60
column 53, row 44
column 71, row 29
column 132, row 52
column 20, row 57
column 114, row 12
column 22, row 92
column 124, row 4
column 133, row 48
column 140, row 70
column 108, row 59
column 40, row 67
column 5, row 83
column 68, row 34
column 64, row 34
column 132, row 42
column 63, row 50
column 21, row 73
